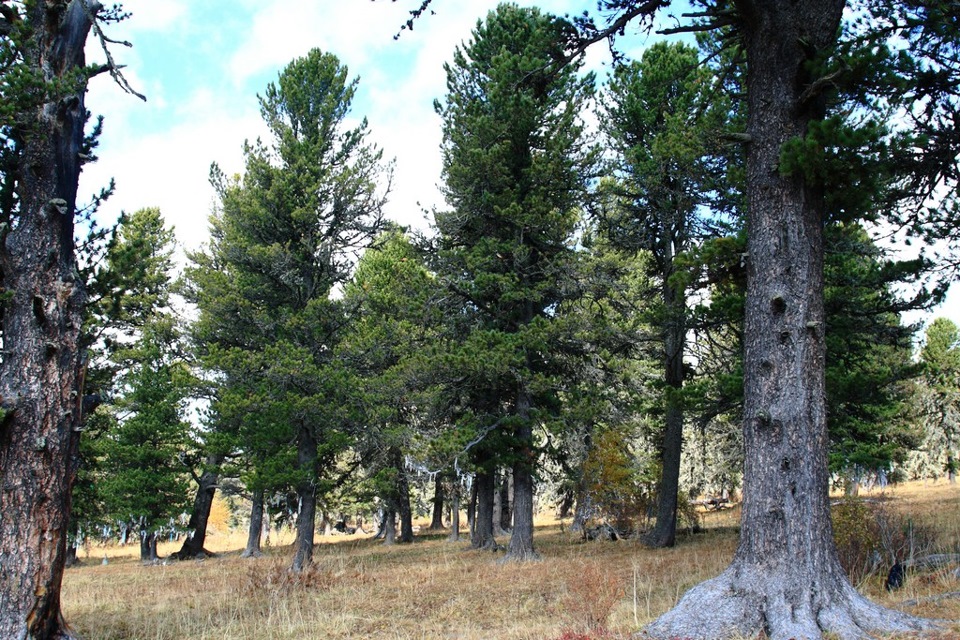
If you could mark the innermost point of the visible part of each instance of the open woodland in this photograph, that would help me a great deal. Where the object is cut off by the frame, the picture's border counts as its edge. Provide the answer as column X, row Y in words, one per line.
column 649, row 293
column 360, row 588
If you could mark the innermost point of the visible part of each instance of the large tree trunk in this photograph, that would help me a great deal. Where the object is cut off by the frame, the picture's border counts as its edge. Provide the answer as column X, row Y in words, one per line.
column 307, row 493
column 403, row 507
column 482, row 535
column 664, row 534
column 785, row 580
column 200, row 515
column 436, row 522
column 252, row 550
column 148, row 547
column 40, row 376
column 521, row 537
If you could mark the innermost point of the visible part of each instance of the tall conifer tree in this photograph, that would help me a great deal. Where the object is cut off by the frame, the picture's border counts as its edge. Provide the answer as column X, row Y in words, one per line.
column 515, row 167
column 284, row 236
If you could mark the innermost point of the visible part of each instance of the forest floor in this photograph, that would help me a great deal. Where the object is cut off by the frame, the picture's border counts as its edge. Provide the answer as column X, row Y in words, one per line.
column 434, row 589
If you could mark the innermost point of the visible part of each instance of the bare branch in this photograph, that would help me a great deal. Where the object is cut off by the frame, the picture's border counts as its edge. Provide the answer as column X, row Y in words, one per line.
column 820, row 84
column 618, row 26
column 92, row 9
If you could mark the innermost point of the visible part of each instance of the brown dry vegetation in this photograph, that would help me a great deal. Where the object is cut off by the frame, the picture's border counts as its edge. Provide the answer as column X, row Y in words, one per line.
column 437, row 589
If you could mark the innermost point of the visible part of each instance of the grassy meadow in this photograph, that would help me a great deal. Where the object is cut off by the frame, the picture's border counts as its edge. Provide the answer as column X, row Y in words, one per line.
column 436, row 589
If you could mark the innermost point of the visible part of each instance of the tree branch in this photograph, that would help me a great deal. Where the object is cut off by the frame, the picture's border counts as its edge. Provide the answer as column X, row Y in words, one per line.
column 819, row 85
column 617, row 27
column 91, row 9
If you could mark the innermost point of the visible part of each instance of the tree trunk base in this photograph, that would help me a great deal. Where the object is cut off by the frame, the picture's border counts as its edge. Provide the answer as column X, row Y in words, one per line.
column 190, row 555
column 487, row 545
column 251, row 553
column 657, row 539
column 739, row 603
column 520, row 556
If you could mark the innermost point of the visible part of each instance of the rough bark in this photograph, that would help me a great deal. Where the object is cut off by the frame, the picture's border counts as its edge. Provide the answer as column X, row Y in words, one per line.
column 200, row 515
column 400, row 500
column 482, row 536
column 148, row 547
column 664, row 533
column 454, row 511
column 41, row 362
column 785, row 580
column 382, row 525
column 436, row 522
column 497, row 505
column 583, row 510
column 252, row 550
column 307, row 494
column 521, row 537
column 582, row 513
column 390, row 526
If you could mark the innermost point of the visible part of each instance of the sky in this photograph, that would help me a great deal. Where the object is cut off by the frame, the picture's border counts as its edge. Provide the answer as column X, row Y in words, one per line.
column 201, row 65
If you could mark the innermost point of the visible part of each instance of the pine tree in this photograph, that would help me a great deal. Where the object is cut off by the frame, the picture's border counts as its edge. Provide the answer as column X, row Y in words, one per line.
column 145, row 480
column 391, row 294
column 940, row 394
column 664, row 116
column 515, row 168
column 285, row 235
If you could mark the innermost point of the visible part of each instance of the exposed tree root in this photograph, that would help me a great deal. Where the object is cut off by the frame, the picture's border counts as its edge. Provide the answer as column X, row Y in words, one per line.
column 744, row 604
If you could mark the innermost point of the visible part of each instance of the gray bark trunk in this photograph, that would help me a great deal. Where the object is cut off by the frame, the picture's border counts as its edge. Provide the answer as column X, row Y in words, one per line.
column 521, row 537
column 148, row 547
column 482, row 536
column 583, row 509
column 436, row 521
column 40, row 374
column 664, row 534
column 472, row 508
column 506, row 501
column 200, row 515
column 455, row 511
column 497, row 505
column 390, row 527
column 399, row 500
column 252, row 550
column 785, row 580
column 307, row 493
column 404, row 511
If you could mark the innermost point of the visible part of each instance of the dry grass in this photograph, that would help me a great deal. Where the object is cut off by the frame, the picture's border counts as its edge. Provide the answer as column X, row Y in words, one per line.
column 435, row 589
